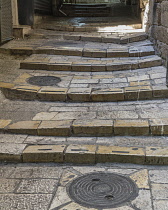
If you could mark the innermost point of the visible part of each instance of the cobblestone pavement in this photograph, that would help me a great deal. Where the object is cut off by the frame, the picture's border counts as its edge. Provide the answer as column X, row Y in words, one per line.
column 44, row 186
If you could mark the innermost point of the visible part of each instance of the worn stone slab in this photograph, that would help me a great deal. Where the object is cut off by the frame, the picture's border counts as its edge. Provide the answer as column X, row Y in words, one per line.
column 138, row 93
column 157, row 155
column 55, row 128
column 36, row 186
column 25, row 201
column 93, row 127
column 52, row 94
column 44, row 153
column 159, row 126
column 79, row 94
column 158, row 176
column 131, row 127
column 112, row 94
column 8, row 185
column 11, row 152
column 159, row 191
column 24, row 127
column 120, row 154
column 4, row 123
column 80, row 154
column 160, row 204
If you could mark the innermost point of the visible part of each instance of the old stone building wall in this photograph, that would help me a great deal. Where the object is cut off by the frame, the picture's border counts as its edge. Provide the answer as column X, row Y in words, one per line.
column 158, row 27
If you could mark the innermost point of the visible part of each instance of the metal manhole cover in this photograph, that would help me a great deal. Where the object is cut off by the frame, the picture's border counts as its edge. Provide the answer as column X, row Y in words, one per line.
column 102, row 190
column 44, row 80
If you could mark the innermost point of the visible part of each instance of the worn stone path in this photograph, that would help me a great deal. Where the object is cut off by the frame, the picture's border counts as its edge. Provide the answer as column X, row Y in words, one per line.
column 44, row 186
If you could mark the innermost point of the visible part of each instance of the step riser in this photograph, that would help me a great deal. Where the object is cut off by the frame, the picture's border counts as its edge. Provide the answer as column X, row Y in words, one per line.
column 89, row 67
column 88, row 94
column 83, row 128
column 88, row 154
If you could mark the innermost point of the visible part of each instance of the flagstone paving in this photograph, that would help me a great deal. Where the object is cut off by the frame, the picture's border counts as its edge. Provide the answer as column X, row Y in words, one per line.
column 44, row 186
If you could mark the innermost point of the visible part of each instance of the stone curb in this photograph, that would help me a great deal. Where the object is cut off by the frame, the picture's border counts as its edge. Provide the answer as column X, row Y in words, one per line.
column 88, row 154
column 81, row 128
column 81, row 66
column 29, row 92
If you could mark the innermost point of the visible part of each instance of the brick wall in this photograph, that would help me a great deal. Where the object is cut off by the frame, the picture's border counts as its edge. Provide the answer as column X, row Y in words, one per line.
column 158, row 27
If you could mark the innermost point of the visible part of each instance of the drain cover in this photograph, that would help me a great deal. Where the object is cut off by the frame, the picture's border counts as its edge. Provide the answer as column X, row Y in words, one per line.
column 102, row 190
column 44, row 80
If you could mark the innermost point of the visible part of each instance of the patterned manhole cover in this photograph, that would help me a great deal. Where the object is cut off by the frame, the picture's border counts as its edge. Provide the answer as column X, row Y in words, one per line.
column 102, row 190
column 44, row 80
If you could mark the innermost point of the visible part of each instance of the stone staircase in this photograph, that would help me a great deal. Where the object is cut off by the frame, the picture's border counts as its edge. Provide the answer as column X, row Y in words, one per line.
column 109, row 86
column 96, row 10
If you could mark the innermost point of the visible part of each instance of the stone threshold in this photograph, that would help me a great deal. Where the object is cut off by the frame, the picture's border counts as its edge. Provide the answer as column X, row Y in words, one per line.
column 83, row 128
column 87, row 154
column 29, row 92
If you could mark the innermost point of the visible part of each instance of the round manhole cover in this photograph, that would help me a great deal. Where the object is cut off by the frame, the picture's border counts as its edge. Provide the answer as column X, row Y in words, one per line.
column 44, row 80
column 102, row 190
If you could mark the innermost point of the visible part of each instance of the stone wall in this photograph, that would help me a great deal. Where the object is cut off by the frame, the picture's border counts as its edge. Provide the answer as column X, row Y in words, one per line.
column 158, row 27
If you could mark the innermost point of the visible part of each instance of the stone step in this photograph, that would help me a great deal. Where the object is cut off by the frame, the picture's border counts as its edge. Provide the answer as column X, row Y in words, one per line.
column 77, row 94
column 91, row 127
column 83, row 154
column 80, row 64
column 92, row 37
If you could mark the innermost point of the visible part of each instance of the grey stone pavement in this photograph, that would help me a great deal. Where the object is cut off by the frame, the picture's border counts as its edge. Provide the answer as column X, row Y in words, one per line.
column 44, row 186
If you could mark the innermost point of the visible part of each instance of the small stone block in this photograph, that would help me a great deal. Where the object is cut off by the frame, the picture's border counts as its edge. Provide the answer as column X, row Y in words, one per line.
column 44, row 153
column 131, row 127
column 52, row 94
column 55, row 128
column 117, row 53
column 120, row 154
column 141, row 179
column 79, row 94
column 93, row 127
column 24, row 127
column 157, row 155
column 138, row 93
column 112, row 94
column 6, row 85
column 80, row 154
column 159, row 126
column 160, row 92
column 4, row 123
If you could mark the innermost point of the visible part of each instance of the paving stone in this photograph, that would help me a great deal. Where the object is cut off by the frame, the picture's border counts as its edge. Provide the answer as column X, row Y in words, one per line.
column 131, row 127
column 157, row 155
column 52, row 94
column 25, row 201
column 121, row 208
column 79, row 94
column 11, row 138
column 107, row 95
column 11, row 152
column 37, row 186
column 93, row 127
column 44, row 140
column 45, row 116
column 80, row 154
column 24, row 127
column 73, row 205
column 120, row 154
column 67, row 177
column 141, row 179
column 121, row 171
column 158, row 176
column 55, row 128
column 44, row 153
column 60, row 198
column 8, row 185
column 159, row 191
column 143, row 201
column 160, row 204
column 5, row 171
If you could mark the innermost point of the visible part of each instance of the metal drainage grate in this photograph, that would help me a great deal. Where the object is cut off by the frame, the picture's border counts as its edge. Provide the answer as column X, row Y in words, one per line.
column 102, row 190
column 44, row 80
